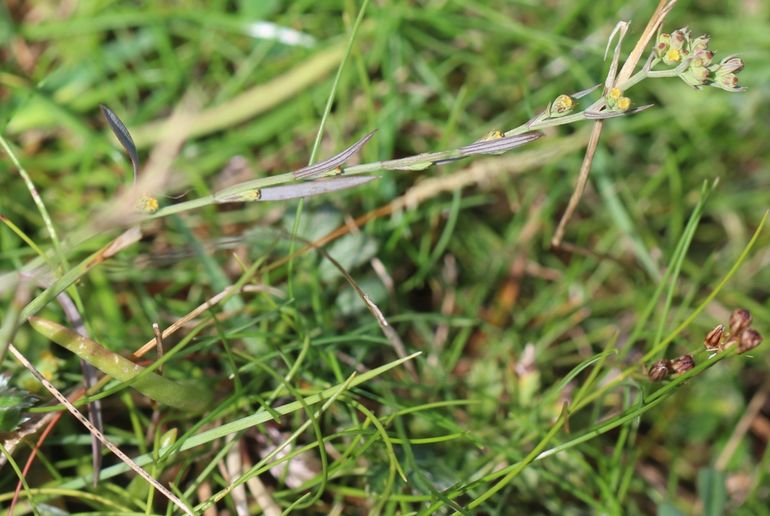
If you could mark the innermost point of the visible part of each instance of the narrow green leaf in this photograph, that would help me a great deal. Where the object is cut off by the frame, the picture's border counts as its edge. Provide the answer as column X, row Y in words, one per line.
column 188, row 397
column 712, row 491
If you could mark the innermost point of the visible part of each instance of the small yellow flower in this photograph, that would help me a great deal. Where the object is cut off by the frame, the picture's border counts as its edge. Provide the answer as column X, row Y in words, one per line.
column 148, row 204
column 252, row 195
column 492, row 135
column 563, row 105
column 672, row 56
column 614, row 94
column 624, row 103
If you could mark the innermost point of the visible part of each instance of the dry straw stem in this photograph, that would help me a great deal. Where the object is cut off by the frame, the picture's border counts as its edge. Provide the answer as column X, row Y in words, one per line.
column 655, row 21
column 203, row 307
column 107, row 444
column 750, row 414
column 252, row 102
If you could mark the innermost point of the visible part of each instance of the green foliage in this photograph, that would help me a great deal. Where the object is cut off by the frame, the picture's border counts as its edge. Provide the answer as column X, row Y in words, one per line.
column 667, row 241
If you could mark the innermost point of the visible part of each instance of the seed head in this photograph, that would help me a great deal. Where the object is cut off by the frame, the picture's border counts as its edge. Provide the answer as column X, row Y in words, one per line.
column 740, row 319
column 681, row 365
column 713, row 339
column 659, row 370
column 750, row 339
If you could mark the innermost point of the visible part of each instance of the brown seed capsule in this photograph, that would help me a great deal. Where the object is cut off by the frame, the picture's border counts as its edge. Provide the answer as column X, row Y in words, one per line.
column 750, row 339
column 659, row 370
column 713, row 339
column 740, row 319
column 682, row 364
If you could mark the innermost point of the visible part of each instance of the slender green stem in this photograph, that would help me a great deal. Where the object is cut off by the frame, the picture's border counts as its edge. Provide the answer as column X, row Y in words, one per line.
column 38, row 203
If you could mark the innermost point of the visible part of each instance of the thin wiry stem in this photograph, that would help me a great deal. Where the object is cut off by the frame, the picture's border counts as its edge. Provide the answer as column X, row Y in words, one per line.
column 38, row 202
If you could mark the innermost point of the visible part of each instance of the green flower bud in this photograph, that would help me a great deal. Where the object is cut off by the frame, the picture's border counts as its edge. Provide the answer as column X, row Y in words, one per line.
column 494, row 134
column 562, row 105
column 147, row 204
column 679, row 38
column 662, row 44
column 702, row 58
column 730, row 64
column 728, row 82
column 700, row 43
column 616, row 101
column 696, row 76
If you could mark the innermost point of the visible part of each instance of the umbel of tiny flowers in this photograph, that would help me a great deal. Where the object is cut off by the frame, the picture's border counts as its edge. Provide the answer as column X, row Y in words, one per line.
column 694, row 61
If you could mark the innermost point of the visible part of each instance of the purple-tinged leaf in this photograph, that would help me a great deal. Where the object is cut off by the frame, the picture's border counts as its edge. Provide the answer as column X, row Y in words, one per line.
column 496, row 145
column 333, row 162
column 295, row 191
column 602, row 115
column 124, row 137
column 582, row 93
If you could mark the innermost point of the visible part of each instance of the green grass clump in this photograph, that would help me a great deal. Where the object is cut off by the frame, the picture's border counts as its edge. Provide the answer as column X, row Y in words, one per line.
column 405, row 344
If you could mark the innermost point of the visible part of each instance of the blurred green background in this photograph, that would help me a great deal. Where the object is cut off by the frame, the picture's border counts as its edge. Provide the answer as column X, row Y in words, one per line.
column 466, row 276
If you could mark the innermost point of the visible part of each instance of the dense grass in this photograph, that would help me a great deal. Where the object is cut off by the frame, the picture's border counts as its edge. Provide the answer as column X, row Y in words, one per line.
column 508, row 328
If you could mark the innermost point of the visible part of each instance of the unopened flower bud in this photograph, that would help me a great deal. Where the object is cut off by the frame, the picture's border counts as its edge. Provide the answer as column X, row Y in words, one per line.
column 679, row 38
column 702, row 58
column 494, row 134
column 740, row 319
column 750, row 339
column 696, row 76
column 700, row 43
column 682, row 364
column 730, row 64
column 662, row 44
column 562, row 105
column 713, row 339
column 613, row 99
column 659, row 370
column 728, row 82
